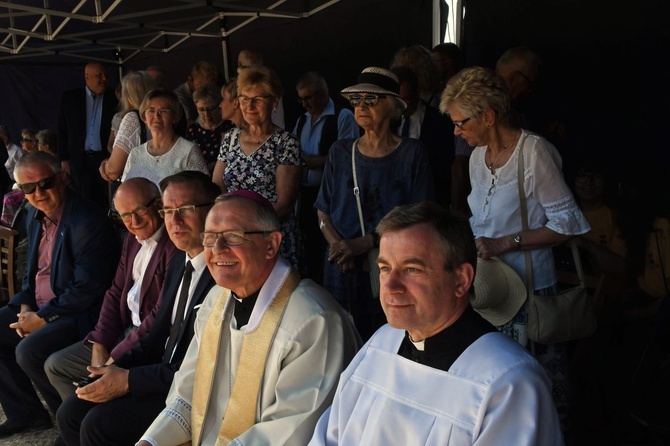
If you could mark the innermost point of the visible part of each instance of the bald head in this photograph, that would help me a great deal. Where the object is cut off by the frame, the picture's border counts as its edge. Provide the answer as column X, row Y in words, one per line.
column 137, row 201
column 96, row 77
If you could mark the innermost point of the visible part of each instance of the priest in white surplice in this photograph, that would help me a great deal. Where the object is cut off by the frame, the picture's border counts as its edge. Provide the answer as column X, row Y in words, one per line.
column 268, row 350
column 438, row 373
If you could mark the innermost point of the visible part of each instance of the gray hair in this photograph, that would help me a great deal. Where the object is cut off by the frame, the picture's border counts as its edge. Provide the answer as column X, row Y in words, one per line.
column 38, row 158
column 313, row 80
column 266, row 217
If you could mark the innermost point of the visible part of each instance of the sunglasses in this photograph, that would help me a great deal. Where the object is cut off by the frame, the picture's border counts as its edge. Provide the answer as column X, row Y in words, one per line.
column 44, row 184
column 27, row 140
column 369, row 100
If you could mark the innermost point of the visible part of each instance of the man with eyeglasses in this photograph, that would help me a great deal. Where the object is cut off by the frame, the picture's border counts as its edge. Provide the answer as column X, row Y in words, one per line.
column 127, row 395
column 139, row 279
column 72, row 254
column 321, row 125
column 84, row 124
column 268, row 348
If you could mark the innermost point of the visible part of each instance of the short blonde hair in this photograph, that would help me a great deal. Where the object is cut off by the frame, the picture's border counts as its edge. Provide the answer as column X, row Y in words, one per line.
column 476, row 90
column 168, row 95
column 263, row 76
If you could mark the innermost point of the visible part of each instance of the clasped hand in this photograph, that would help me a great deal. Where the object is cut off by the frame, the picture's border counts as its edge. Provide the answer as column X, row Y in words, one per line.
column 113, row 383
column 28, row 323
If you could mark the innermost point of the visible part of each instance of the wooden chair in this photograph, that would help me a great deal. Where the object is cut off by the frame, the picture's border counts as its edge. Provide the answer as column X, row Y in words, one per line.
column 8, row 238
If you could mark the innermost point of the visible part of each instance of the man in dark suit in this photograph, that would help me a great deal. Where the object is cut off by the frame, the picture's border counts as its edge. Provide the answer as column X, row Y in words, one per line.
column 435, row 130
column 134, row 293
column 84, row 125
column 72, row 254
column 118, row 407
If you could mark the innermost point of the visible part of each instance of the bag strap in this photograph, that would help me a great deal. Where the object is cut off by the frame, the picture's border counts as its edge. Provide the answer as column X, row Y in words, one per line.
column 660, row 261
column 524, row 225
column 357, row 191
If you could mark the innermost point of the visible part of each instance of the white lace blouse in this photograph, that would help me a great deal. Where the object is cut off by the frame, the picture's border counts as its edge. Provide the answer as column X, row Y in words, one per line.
column 184, row 155
column 495, row 206
column 128, row 135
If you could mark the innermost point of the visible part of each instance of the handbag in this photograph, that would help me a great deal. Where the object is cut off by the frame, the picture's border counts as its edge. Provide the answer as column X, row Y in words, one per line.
column 565, row 316
column 370, row 263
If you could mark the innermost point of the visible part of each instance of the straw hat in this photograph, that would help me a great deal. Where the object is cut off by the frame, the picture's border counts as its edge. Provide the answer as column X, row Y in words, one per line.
column 375, row 80
column 499, row 292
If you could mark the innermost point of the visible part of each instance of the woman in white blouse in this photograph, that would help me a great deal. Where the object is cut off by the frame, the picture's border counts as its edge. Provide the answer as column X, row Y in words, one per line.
column 134, row 86
column 478, row 103
column 166, row 153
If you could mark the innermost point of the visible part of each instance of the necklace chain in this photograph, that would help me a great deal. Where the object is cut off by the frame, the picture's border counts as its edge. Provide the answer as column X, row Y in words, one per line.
column 490, row 166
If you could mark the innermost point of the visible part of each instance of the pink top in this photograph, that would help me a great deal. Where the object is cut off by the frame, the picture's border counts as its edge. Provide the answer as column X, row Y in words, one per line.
column 43, row 291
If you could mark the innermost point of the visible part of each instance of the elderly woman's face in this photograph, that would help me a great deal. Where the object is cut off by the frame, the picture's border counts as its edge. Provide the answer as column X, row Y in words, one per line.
column 159, row 116
column 256, row 104
column 209, row 113
column 369, row 116
column 468, row 127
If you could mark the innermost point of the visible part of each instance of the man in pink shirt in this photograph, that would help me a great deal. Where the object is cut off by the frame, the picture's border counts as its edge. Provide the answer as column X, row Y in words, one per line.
column 72, row 255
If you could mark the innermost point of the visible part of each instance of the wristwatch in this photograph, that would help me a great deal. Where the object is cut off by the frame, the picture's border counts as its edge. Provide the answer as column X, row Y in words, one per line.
column 517, row 240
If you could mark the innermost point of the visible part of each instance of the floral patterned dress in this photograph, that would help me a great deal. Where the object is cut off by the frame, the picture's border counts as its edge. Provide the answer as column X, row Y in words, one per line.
column 208, row 140
column 257, row 172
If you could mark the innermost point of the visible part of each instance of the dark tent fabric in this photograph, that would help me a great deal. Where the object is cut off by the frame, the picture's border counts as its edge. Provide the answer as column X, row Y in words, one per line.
column 599, row 73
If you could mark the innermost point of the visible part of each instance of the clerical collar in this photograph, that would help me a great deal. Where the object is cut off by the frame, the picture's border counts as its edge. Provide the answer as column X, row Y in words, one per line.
column 420, row 345
column 244, row 307
column 443, row 349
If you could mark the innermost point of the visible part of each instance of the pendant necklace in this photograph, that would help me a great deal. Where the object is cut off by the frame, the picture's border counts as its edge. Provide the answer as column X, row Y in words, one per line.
column 156, row 157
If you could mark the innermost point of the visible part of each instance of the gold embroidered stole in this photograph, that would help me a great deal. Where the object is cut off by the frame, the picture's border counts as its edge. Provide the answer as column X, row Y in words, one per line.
column 241, row 411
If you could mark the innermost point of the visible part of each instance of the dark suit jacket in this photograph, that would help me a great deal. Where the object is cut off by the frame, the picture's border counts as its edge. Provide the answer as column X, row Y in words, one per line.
column 84, row 257
column 115, row 315
column 72, row 125
column 437, row 134
column 150, row 372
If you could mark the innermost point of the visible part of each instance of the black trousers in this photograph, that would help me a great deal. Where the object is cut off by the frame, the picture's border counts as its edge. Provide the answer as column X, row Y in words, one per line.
column 22, row 360
column 88, row 181
column 117, row 422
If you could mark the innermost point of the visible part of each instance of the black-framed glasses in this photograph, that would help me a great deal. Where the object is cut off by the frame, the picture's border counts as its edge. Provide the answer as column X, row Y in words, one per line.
column 459, row 124
column 207, row 109
column 183, row 211
column 140, row 211
column 44, row 184
column 369, row 100
column 230, row 238
column 309, row 97
column 27, row 140
column 255, row 101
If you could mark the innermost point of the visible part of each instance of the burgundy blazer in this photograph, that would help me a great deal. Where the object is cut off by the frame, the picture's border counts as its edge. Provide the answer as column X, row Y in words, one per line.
column 115, row 315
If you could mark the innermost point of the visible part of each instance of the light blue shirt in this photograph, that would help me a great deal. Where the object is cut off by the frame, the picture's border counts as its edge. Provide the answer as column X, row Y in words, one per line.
column 93, row 118
column 347, row 128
